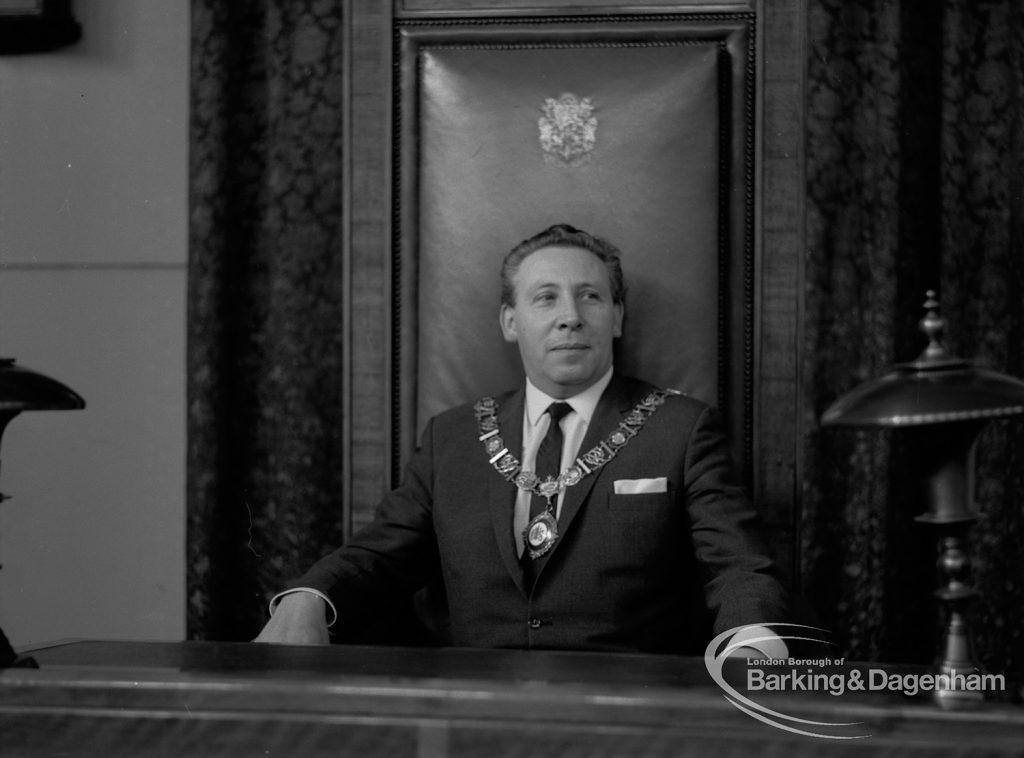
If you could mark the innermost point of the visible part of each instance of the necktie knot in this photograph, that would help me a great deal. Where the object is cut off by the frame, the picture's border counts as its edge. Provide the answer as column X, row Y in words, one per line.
column 550, row 451
column 558, row 411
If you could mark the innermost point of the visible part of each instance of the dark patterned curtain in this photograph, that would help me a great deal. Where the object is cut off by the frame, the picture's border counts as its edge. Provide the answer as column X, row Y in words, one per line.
column 915, row 152
column 265, row 304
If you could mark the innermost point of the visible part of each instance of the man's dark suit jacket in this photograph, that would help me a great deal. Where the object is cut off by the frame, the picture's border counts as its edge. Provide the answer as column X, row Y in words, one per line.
column 641, row 572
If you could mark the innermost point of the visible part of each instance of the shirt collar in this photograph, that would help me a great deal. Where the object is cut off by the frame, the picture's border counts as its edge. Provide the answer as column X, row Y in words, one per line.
column 584, row 403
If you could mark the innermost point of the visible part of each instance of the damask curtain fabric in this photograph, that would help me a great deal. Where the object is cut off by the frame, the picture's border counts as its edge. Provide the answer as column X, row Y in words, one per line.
column 265, row 304
column 915, row 154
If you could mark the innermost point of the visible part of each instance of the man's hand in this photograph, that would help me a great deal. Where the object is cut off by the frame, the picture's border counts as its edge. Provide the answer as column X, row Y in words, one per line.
column 297, row 620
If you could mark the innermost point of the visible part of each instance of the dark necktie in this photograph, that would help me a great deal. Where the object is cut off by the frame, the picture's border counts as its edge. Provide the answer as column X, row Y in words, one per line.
column 548, row 463
column 549, row 454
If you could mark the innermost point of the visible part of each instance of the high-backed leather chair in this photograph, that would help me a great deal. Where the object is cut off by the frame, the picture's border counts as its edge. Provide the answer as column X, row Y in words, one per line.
column 635, row 129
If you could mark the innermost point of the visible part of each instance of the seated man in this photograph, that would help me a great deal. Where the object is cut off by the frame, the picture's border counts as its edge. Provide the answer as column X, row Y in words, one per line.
column 585, row 510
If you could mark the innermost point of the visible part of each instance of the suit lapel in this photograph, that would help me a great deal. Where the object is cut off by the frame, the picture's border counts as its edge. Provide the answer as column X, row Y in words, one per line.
column 501, row 494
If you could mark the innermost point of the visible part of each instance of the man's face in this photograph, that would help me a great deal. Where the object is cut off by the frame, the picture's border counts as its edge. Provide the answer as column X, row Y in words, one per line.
column 564, row 320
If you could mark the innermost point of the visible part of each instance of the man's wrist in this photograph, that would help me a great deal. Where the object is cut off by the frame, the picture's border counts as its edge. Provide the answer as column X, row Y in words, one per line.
column 762, row 639
column 332, row 611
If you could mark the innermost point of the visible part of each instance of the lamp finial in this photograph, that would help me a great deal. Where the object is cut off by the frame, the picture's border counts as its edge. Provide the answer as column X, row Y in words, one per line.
column 932, row 326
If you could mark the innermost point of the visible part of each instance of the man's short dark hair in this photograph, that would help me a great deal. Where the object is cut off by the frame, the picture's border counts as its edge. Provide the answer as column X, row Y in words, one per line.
column 565, row 236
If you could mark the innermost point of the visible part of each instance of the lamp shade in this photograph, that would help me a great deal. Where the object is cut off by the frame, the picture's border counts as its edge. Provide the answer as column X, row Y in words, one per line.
column 936, row 388
column 23, row 389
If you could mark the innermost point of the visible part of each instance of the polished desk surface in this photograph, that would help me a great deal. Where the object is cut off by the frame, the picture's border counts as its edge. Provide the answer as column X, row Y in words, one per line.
column 107, row 698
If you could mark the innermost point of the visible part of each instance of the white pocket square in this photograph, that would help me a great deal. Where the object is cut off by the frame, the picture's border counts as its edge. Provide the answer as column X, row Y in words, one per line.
column 640, row 486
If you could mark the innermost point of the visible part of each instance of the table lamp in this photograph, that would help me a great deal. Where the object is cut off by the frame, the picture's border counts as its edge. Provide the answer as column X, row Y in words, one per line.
column 22, row 389
column 950, row 400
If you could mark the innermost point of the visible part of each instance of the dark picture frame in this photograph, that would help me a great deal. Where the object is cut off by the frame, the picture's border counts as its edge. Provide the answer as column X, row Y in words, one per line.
column 35, row 26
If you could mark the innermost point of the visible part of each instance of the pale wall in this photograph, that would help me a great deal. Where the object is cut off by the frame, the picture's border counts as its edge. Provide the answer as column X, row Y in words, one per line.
column 93, row 253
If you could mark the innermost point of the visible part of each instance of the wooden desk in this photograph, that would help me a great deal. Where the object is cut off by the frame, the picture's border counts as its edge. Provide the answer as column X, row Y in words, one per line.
column 114, row 699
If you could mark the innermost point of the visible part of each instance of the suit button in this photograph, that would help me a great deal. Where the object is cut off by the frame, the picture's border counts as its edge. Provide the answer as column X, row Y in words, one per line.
column 535, row 623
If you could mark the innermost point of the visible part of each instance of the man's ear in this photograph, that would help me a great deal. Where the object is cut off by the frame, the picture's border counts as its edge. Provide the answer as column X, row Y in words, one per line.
column 507, row 319
column 620, row 314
